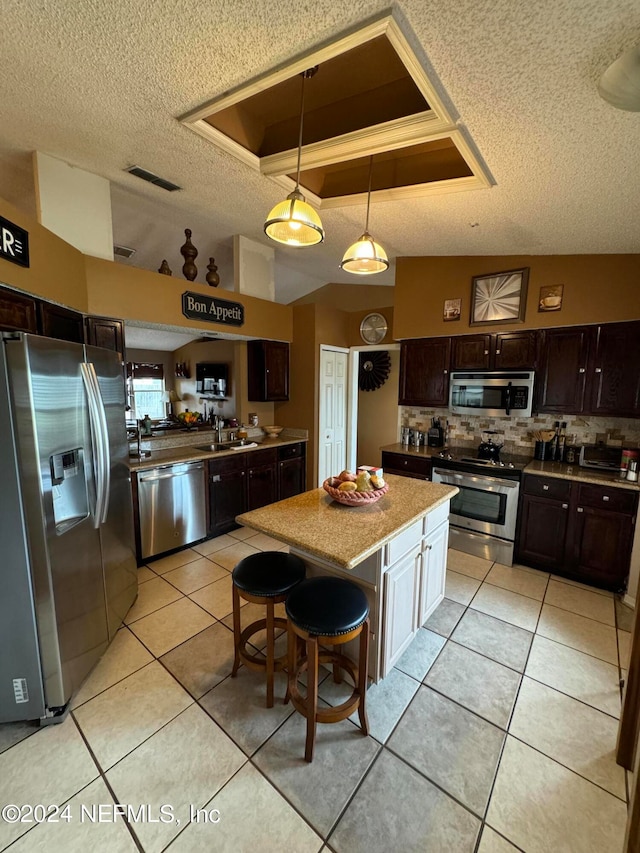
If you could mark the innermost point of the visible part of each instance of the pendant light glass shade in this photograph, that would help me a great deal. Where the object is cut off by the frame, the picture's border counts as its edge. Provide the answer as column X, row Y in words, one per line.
column 365, row 256
column 293, row 221
column 620, row 83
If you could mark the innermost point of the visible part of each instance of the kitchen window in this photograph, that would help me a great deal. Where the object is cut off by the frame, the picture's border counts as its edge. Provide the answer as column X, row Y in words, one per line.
column 145, row 387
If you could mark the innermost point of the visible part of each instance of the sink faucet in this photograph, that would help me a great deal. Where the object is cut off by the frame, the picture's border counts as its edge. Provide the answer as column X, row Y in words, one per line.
column 217, row 425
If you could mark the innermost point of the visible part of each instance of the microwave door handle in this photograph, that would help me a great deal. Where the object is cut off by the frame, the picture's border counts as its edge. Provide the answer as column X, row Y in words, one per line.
column 508, row 398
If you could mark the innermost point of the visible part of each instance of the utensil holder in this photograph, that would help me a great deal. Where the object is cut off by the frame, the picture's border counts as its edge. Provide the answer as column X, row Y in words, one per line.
column 543, row 450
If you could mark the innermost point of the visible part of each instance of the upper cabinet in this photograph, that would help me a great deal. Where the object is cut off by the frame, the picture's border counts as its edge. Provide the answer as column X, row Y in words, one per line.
column 268, row 369
column 590, row 370
column 105, row 332
column 502, row 351
column 424, row 372
column 18, row 312
column 61, row 323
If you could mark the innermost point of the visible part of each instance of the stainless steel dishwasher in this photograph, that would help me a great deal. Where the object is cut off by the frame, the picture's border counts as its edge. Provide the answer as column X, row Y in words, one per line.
column 172, row 507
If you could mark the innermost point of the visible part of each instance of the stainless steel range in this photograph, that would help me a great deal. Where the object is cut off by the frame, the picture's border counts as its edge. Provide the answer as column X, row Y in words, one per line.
column 484, row 512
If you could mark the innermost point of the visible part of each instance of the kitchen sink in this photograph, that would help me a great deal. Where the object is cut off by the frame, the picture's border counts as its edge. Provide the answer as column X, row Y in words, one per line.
column 225, row 445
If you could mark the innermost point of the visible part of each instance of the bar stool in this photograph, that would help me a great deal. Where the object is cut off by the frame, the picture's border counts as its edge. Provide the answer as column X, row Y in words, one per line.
column 328, row 611
column 266, row 578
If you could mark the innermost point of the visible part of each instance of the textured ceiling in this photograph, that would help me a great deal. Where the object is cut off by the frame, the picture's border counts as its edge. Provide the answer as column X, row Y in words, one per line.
column 100, row 85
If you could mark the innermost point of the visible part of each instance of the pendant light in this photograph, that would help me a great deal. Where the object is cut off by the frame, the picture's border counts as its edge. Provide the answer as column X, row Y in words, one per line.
column 293, row 221
column 365, row 256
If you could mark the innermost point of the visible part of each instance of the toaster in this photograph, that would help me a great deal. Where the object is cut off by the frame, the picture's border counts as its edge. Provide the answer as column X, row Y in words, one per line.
column 600, row 456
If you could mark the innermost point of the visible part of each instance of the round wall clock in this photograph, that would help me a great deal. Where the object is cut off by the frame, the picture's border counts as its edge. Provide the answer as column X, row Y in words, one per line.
column 374, row 369
column 373, row 328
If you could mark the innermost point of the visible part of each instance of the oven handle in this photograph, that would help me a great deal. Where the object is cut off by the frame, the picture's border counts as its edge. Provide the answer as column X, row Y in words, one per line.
column 508, row 484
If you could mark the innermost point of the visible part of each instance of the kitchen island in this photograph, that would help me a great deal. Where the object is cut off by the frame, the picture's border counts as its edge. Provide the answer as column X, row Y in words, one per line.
column 395, row 550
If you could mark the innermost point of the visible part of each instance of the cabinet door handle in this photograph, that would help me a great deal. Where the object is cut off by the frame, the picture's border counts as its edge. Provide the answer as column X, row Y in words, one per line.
column 598, row 370
column 582, row 370
column 605, row 497
column 486, row 352
column 445, row 371
column 565, row 506
column 405, row 461
column 215, row 478
column 580, row 509
column 545, row 488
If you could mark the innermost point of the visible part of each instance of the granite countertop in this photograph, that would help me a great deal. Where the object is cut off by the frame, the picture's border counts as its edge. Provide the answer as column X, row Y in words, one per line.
column 183, row 447
column 549, row 469
column 346, row 535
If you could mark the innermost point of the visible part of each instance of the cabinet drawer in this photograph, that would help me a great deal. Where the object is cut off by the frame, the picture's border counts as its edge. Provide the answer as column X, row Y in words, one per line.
column 260, row 457
column 410, row 464
column 402, row 543
column 229, row 463
column 290, row 451
column 603, row 497
column 548, row 487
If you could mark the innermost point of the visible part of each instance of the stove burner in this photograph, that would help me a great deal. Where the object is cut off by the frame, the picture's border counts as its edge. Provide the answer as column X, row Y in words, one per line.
column 461, row 461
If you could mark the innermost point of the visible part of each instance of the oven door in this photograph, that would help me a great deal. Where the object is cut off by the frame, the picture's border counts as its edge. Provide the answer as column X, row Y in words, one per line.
column 483, row 504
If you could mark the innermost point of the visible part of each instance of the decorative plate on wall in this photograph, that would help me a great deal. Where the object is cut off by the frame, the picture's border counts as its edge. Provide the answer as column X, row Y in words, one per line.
column 373, row 328
column 374, row 369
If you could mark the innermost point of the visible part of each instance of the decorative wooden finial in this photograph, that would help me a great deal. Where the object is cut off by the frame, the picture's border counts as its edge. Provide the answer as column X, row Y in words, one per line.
column 212, row 276
column 164, row 268
column 189, row 253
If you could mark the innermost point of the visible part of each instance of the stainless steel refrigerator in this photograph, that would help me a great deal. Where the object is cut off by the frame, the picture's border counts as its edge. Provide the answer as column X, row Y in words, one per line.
column 67, row 556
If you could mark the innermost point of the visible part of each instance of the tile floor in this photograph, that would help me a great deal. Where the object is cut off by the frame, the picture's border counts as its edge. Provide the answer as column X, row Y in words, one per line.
column 495, row 732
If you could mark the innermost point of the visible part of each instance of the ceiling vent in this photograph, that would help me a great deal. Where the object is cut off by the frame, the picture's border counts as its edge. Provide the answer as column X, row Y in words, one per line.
column 372, row 96
column 152, row 179
column 123, row 251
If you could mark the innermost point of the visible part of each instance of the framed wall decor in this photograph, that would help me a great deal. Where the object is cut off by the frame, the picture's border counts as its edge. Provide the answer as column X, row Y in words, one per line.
column 551, row 297
column 499, row 297
column 451, row 310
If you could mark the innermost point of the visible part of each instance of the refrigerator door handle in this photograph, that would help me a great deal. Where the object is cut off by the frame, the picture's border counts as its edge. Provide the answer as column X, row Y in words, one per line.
column 100, row 440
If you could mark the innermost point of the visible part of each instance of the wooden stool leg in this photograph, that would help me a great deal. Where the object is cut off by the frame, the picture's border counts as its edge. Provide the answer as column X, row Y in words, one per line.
column 236, row 631
column 337, row 672
column 270, row 653
column 312, row 695
column 292, row 659
column 362, row 677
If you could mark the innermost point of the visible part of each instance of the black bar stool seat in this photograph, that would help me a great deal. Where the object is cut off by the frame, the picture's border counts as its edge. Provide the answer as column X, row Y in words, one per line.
column 266, row 578
column 328, row 611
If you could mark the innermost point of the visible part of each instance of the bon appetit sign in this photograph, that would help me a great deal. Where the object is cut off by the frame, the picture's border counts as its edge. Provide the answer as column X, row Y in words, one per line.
column 196, row 306
column 14, row 243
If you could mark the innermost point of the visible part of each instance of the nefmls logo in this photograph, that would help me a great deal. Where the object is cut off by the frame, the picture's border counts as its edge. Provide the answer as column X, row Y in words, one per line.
column 14, row 243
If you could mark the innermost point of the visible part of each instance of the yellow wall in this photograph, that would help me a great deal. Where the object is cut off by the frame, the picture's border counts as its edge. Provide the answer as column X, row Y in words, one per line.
column 597, row 288
column 378, row 415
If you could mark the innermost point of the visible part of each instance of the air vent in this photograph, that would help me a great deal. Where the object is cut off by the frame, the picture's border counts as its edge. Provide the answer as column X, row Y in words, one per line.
column 123, row 251
column 152, row 179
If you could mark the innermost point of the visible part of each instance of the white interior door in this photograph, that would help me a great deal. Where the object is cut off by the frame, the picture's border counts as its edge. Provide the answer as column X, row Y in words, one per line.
column 332, row 432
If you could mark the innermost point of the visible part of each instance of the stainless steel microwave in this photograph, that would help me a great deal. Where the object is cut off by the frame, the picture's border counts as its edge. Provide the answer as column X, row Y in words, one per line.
column 494, row 394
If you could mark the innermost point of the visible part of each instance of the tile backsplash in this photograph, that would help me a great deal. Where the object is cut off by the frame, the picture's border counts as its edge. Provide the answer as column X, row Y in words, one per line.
column 517, row 433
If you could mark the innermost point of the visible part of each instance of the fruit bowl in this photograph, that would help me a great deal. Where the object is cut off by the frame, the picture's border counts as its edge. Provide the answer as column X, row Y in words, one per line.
column 354, row 498
column 273, row 431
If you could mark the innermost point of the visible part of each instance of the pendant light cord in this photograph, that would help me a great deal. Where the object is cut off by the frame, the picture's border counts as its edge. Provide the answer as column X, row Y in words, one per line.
column 366, row 224
column 304, row 74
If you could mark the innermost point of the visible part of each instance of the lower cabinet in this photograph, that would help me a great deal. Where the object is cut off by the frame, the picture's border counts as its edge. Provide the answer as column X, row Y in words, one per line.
column 227, row 479
column 262, row 485
column 406, row 465
column 401, row 593
column 580, row 530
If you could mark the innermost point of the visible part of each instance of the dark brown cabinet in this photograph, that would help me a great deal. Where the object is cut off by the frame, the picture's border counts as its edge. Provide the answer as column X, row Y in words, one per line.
column 268, row 370
column 58, row 322
column 502, row 351
column 406, row 465
column 615, row 371
column 105, row 332
column 18, row 313
column 564, row 362
column 424, row 372
column 262, row 484
column 580, row 530
column 227, row 499
column 291, row 470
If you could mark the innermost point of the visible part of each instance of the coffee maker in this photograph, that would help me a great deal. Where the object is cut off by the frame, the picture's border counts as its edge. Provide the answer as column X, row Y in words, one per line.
column 435, row 434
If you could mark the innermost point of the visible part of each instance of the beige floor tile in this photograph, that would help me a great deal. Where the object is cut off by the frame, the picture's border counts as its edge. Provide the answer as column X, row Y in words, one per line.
column 213, row 545
column 229, row 557
column 578, row 736
column 84, row 830
column 167, row 628
column 118, row 720
column 460, row 588
column 585, row 586
column 165, row 564
column 252, row 612
column 216, row 598
column 586, row 635
column 47, row 768
column 509, row 606
column 195, row 575
column 581, row 601
column 145, row 574
column 491, row 842
column 253, row 817
column 152, row 595
column 519, row 580
column 203, row 661
column 184, row 764
column 243, row 533
column 541, row 806
column 468, row 564
column 125, row 655
column 572, row 672
column 624, row 645
column 265, row 543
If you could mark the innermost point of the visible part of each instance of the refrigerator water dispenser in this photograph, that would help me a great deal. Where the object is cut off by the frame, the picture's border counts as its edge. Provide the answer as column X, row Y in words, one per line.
column 68, row 489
